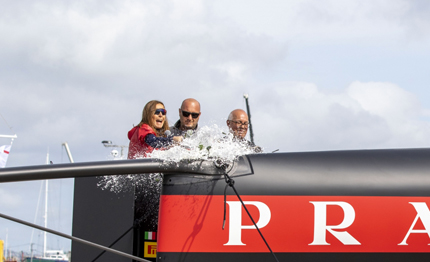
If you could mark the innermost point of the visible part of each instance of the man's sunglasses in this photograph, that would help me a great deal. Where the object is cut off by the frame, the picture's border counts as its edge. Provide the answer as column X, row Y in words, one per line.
column 239, row 123
column 187, row 114
column 161, row 110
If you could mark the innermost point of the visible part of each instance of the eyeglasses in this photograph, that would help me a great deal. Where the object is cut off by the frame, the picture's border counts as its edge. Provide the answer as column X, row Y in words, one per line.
column 187, row 114
column 160, row 110
column 239, row 123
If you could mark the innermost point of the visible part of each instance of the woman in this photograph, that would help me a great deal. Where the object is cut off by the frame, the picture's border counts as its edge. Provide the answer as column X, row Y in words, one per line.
column 149, row 133
column 144, row 138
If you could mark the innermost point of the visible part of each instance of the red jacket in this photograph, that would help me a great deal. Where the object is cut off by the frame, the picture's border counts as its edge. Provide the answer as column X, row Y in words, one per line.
column 138, row 148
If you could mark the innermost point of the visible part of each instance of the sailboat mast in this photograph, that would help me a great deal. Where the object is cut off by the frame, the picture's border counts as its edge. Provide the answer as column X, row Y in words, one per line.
column 5, row 248
column 46, row 209
column 66, row 146
column 46, row 217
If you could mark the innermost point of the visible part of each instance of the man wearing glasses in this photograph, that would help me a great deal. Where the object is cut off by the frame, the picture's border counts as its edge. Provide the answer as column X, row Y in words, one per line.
column 238, row 124
column 189, row 115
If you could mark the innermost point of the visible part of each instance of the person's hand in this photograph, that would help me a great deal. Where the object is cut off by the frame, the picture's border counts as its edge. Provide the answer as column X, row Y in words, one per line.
column 177, row 139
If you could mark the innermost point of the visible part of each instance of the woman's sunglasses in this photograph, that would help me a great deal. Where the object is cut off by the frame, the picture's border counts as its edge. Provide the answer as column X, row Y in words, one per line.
column 161, row 110
column 187, row 114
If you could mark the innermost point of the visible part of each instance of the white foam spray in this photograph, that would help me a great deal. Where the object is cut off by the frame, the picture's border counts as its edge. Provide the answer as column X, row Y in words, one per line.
column 208, row 143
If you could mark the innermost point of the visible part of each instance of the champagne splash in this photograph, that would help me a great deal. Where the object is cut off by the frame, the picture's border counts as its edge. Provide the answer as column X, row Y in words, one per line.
column 208, row 143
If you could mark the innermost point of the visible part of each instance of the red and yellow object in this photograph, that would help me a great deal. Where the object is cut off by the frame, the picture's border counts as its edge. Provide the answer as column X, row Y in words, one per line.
column 150, row 249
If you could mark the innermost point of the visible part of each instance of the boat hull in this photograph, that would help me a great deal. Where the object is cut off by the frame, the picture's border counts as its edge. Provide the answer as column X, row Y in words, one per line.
column 328, row 206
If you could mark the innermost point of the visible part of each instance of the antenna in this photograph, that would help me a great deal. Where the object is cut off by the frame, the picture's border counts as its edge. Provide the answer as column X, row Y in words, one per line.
column 251, row 133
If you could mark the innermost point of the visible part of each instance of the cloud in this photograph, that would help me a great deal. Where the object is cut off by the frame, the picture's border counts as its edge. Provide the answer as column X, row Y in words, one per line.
column 299, row 116
column 386, row 100
column 141, row 42
column 75, row 72
column 332, row 22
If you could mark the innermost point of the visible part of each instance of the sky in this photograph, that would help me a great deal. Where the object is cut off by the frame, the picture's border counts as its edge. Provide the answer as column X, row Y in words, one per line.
column 320, row 74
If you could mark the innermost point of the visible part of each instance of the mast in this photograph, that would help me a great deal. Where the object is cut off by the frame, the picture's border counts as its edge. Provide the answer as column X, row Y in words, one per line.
column 5, row 248
column 66, row 146
column 46, row 209
column 251, row 133
column 46, row 217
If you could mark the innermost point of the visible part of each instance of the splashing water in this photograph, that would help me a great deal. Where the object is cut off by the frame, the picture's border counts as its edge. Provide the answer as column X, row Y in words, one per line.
column 208, row 143
column 147, row 189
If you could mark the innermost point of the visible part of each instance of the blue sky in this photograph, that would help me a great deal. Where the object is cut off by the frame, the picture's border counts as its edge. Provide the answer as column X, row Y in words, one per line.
column 321, row 75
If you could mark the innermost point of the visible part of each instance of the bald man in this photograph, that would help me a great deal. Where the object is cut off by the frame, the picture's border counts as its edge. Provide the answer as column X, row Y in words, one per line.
column 238, row 123
column 189, row 115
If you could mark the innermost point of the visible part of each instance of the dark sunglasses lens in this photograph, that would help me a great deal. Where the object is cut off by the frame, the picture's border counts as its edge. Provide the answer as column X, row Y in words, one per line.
column 187, row 114
column 162, row 111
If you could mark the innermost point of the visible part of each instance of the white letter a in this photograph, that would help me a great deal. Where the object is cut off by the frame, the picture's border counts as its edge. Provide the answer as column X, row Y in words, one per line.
column 423, row 213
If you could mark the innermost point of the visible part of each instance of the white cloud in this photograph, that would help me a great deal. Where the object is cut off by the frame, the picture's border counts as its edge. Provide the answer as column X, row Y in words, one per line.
column 299, row 116
column 135, row 39
column 331, row 21
column 386, row 100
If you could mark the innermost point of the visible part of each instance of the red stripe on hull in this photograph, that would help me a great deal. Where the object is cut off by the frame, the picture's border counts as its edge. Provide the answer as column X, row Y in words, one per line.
column 193, row 223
